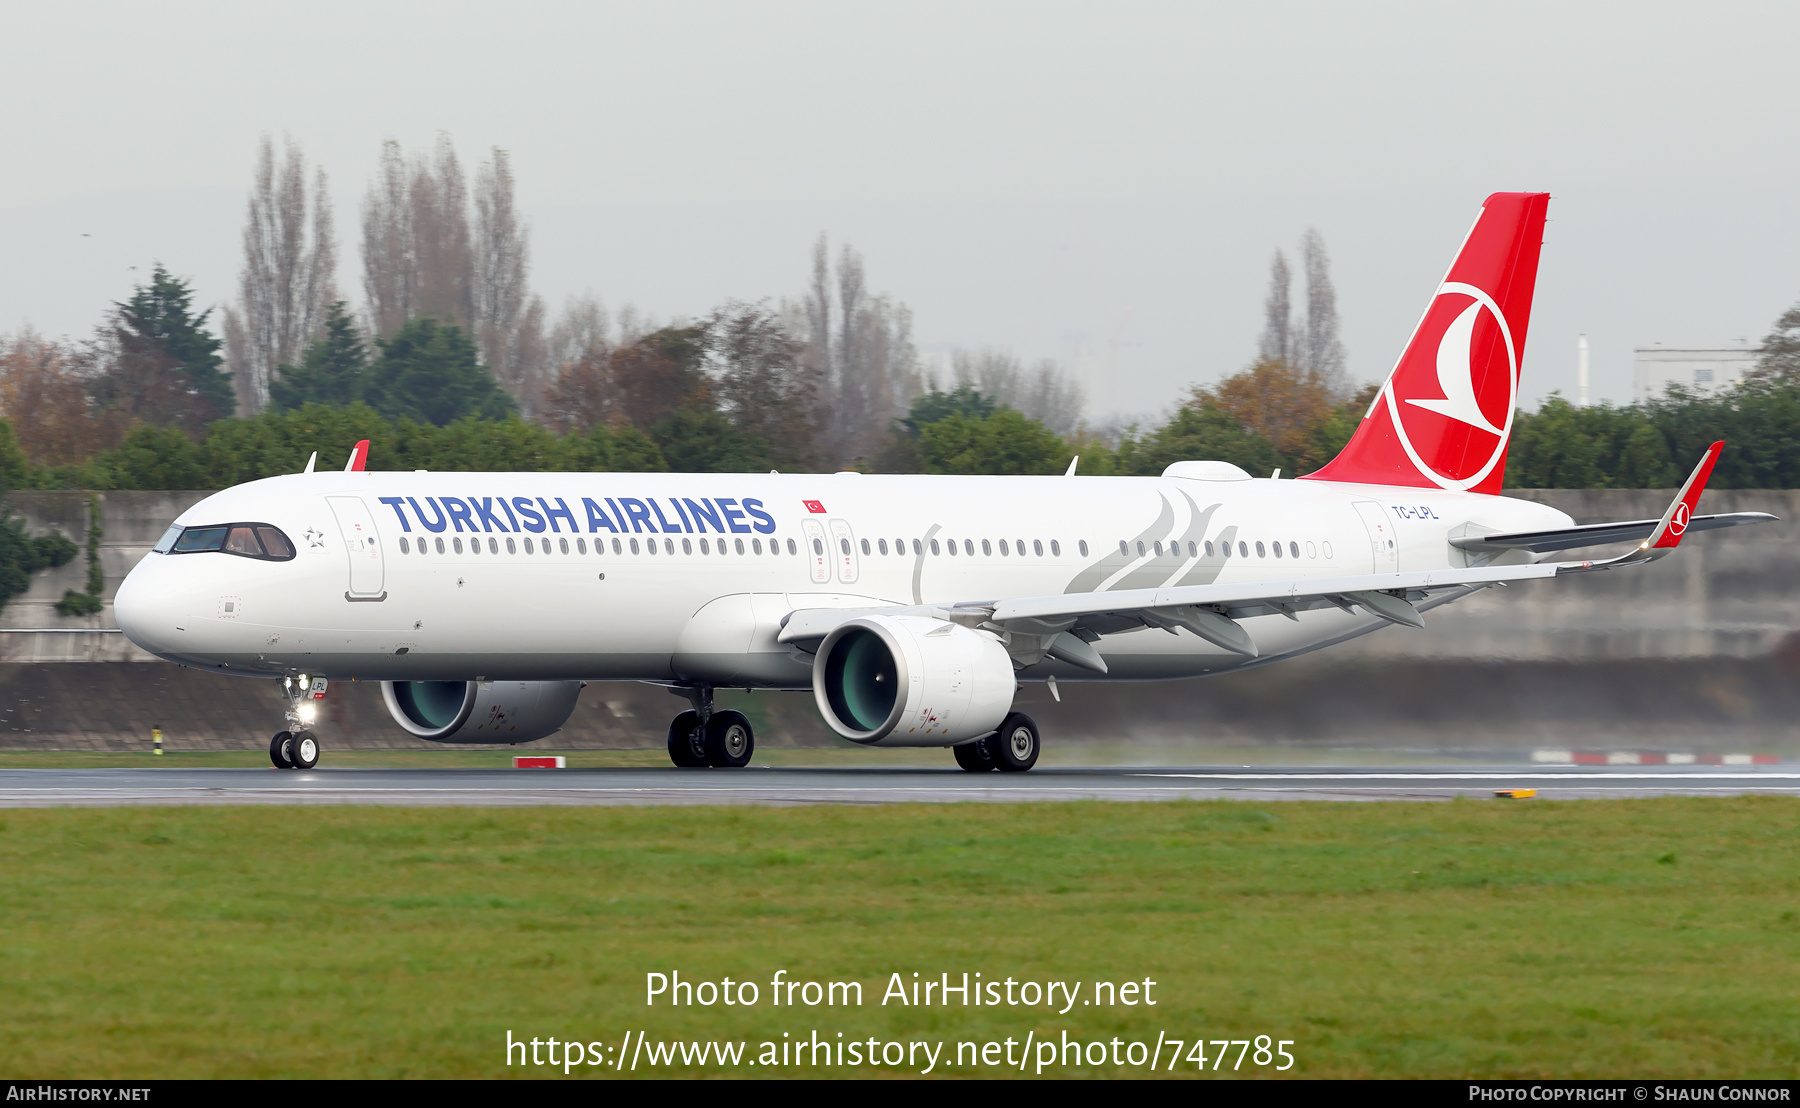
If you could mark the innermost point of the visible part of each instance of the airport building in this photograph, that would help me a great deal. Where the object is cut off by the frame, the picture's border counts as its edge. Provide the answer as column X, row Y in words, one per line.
column 1699, row 369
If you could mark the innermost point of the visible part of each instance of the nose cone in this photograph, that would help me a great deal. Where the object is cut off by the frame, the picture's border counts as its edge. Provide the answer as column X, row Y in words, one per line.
column 146, row 612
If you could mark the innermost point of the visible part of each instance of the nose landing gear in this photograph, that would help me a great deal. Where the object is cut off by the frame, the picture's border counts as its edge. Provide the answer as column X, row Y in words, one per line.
column 704, row 737
column 296, row 747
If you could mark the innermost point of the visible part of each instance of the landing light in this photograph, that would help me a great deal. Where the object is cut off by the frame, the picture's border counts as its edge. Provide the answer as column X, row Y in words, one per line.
column 307, row 712
column 304, row 682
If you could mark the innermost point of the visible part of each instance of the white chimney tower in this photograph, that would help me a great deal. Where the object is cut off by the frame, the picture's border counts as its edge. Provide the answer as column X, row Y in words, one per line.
column 1581, row 372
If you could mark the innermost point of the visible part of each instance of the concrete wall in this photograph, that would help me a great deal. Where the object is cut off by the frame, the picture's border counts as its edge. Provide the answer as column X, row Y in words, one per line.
column 131, row 523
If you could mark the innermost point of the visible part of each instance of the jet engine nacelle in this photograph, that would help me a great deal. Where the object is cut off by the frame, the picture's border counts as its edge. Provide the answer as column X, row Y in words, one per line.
column 912, row 681
column 481, row 711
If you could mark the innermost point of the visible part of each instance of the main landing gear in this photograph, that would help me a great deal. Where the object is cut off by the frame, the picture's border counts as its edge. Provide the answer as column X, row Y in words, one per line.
column 704, row 737
column 295, row 747
column 1012, row 749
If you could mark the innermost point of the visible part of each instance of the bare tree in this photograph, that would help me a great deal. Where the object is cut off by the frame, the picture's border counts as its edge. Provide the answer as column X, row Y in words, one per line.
column 763, row 382
column 445, row 257
column 859, row 348
column 1277, row 341
column 417, row 256
column 390, row 269
column 1046, row 392
column 288, row 278
column 43, row 392
column 508, row 320
column 1320, row 351
column 582, row 327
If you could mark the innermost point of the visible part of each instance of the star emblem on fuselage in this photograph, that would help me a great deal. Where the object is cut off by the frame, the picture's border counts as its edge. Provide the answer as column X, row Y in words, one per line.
column 314, row 536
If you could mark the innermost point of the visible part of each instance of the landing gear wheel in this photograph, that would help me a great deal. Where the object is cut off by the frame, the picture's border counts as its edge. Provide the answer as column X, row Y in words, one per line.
column 729, row 740
column 1015, row 746
column 687, row 745
column 976, row 757
column 303, row 751
column 278, row 750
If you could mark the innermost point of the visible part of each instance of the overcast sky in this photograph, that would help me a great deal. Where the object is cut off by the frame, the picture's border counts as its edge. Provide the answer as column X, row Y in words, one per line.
column 1099, row 183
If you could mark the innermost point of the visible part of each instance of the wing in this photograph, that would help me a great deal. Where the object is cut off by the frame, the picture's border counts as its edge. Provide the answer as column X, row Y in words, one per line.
column 1597, row 534
column 1066, row 626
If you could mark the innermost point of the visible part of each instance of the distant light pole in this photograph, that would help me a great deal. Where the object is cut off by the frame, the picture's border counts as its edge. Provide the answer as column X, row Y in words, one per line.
column 1581, row 372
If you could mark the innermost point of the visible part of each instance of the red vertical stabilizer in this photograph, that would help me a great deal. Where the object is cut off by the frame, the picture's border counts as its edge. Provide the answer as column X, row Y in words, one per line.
column 1444, row 416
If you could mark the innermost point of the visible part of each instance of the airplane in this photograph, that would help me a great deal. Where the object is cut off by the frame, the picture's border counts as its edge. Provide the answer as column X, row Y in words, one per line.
column 913, row 607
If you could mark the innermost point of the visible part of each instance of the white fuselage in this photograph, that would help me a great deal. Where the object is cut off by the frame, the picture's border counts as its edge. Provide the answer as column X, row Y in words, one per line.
column 685, row 578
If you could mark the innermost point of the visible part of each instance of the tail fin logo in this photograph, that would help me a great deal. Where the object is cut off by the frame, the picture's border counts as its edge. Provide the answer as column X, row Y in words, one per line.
column 1464, row 395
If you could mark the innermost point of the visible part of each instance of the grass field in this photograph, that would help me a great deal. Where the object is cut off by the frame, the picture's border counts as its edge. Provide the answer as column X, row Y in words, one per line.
column 1601, row 938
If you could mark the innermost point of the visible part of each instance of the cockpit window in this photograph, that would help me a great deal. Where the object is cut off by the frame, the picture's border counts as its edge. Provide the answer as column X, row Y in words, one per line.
column 275, row 544
column 168, row 539
column 246, row 540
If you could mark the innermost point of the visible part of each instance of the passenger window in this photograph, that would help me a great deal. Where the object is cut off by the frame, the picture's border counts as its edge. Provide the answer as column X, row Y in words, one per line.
column 456, row 544
column 969, row 547
column 918, row 547
column 1037, row 547
column 740, row 546
column 1207, row 546
column 865, row 548
column 494, row 546
column 1003, row 552
column 1243, row 549
column 439, row 543
column 705, row 549
column 1277, row 549
column 1294, row 549
column 1193, row 550
column 529, row 549
column 1158, row 549
column 1124, row 549
column 1140, row 548
column 563, row 545
column 475, row 545
column 1312, row 551
column 634, row 545
column 581, row 546
column 951, row 543
column 1081, row 543
column 881, row 545
column 987, row 549
column 1259, row 551
column 687, row 546
column 756, row 546
column 405, row 548
column 934, row 547
column 668, row 546
column 792, row 549
column 1327, row 548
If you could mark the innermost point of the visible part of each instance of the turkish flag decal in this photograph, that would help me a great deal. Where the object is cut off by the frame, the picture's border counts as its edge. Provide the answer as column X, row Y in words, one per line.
column 814, row 507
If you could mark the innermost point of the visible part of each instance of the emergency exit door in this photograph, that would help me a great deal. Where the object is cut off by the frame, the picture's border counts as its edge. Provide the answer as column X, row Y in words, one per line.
column 362, row 545
column 1383, row 548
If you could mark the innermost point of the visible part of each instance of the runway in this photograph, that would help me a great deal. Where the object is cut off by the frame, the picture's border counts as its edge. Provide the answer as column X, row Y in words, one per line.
column 41, row 788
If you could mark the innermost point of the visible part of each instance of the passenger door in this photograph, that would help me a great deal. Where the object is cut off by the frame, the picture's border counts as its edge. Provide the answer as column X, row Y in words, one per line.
column 363, row 546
